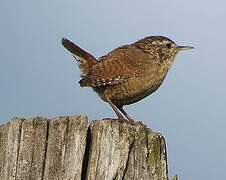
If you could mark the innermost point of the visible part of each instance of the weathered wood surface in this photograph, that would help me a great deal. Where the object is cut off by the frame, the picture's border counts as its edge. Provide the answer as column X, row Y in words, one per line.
column 67, row 148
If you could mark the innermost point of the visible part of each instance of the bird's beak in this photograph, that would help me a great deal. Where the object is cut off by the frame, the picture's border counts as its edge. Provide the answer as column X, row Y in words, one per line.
column 181, row 48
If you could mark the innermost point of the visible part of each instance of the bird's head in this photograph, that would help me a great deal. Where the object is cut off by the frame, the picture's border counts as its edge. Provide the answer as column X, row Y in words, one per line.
column 161, row 47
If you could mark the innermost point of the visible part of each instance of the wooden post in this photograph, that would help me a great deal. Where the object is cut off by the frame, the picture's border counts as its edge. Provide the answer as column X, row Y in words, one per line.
column 67, row 148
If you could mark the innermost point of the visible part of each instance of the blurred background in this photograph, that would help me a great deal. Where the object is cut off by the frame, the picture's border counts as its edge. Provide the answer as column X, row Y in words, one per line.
column 38, row 77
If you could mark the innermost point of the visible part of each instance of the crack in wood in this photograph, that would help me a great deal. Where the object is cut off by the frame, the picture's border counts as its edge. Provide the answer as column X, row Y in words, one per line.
column 18, row 146
column 65, row 138
column 86, row 154
column 32, row 154
column 116, row 175
column 46, row 148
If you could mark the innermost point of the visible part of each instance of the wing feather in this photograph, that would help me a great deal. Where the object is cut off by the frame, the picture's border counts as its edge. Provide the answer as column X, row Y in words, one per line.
column 118, row 66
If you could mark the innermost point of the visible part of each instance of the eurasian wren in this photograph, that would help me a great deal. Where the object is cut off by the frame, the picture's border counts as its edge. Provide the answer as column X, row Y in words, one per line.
column 129, row 73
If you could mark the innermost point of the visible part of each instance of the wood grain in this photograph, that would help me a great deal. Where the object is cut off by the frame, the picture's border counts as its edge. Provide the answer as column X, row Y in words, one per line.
column 67, row 148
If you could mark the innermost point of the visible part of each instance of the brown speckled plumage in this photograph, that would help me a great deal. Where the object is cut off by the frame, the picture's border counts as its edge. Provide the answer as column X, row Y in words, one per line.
column 128, row 73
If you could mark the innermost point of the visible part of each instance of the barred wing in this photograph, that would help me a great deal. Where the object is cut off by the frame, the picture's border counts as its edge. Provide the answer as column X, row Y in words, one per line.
column 118, row 66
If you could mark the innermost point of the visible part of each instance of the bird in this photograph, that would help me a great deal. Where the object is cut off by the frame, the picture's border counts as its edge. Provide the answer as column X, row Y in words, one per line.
column 128, row 73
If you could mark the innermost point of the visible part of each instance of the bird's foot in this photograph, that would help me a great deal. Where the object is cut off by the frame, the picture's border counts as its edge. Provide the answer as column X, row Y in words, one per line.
column 124, row 120
column 120, row 120
column 129, row 121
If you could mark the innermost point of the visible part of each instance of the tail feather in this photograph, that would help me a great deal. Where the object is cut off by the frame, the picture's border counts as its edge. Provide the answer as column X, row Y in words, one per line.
column 85, row 59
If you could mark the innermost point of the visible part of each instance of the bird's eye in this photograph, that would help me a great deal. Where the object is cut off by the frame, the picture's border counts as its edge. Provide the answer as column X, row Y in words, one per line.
column 168, row 45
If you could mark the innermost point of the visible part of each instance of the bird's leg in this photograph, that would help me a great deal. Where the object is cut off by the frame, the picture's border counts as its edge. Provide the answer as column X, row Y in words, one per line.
column 125, row 114
column 117, row 111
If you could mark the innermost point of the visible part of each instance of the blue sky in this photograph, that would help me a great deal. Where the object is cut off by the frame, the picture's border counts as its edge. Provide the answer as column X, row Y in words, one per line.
column 38, row 77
